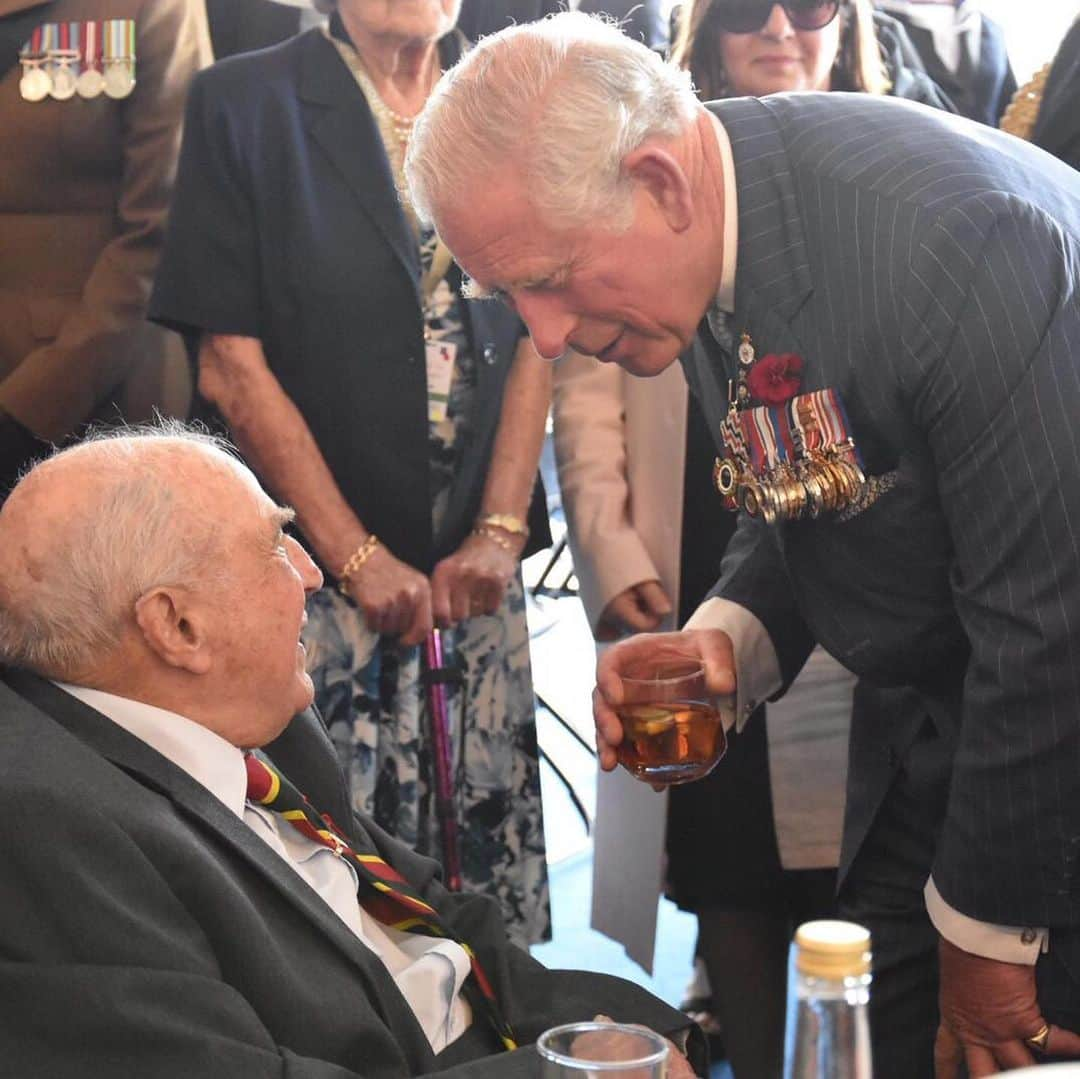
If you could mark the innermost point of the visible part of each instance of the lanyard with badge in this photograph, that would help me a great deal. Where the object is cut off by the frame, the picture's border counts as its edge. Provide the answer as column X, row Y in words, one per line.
column 440, row 355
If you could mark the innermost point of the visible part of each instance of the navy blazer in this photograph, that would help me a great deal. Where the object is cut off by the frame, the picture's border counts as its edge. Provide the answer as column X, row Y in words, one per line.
column 286, row 227
column 246, row 25
column 929, row 269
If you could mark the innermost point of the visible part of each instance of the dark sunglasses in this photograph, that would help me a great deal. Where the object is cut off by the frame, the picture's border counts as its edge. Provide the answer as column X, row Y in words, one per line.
column 749, row 16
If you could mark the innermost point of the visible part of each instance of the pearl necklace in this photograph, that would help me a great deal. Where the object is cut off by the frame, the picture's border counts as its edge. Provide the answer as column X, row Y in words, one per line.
column 395, row 129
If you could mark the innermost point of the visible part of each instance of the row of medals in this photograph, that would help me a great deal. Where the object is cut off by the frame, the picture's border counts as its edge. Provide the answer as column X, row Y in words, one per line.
column 824, row 481
column 52, row 75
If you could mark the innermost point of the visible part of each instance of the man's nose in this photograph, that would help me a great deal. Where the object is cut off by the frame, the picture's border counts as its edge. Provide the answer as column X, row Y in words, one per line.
column 778, row 24
column 310, row 574
column 548, row 321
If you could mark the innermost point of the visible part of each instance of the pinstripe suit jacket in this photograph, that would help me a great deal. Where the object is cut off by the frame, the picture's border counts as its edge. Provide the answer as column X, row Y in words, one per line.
column 929, row 269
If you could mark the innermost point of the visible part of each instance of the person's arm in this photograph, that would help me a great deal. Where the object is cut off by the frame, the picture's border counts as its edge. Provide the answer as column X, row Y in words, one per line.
column 991, row 331
column 619, row 582
column 58, row 386
column 473, row 579
column 279, row 446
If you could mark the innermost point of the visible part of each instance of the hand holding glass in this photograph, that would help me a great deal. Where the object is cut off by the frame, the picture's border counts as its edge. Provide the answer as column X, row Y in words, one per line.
column 671, row 730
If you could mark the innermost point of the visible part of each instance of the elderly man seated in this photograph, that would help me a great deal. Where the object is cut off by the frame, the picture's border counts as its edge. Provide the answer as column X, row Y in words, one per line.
column 172, row 904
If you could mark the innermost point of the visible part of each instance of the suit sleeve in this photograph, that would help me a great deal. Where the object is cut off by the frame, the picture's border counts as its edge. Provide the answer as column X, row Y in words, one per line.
column 58, row 386
column 992, row 336
column 590, row 450
column 754, row 576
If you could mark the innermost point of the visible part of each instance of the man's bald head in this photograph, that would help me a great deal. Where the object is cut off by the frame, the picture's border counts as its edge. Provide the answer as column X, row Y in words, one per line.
column 90, row 530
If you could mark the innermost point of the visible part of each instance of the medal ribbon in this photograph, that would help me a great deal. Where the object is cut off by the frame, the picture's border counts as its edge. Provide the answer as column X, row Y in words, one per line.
column 34, row 47
column 384, row 893
column 120, row 40
column 90, row 46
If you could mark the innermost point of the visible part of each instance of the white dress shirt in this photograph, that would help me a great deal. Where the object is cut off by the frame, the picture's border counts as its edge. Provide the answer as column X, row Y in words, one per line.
column 757, row 668
column 429, row 971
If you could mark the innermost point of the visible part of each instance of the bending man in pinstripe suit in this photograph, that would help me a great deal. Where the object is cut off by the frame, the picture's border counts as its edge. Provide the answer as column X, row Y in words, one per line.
column 928, row 272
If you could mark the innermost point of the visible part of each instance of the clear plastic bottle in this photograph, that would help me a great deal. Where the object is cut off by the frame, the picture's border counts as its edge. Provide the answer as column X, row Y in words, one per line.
column 831, row 1034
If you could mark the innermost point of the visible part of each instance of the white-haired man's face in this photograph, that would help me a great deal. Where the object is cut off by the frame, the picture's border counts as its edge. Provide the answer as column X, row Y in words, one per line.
column 258, row 609
column 613, row 295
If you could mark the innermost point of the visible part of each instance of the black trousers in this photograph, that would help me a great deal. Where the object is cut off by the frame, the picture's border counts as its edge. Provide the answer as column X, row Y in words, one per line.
column 883, row 890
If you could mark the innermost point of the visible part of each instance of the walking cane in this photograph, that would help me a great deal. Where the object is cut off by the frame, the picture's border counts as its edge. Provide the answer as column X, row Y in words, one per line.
column 437, row 676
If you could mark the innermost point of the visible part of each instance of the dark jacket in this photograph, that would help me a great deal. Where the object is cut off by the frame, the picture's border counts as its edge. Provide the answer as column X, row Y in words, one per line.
column 148, row 931
column 286, row 227
column 1057, row 127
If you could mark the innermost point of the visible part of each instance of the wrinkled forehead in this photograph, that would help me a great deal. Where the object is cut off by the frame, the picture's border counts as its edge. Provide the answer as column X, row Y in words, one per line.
column 502, row 241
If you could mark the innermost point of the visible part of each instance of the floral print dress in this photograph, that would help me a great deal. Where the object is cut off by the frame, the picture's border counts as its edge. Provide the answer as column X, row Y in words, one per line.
column 370, row 693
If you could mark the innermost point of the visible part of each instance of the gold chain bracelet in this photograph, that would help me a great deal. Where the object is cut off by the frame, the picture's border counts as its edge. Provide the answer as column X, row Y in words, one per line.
column 491, row 534
column 508, row 522
column 356, row 560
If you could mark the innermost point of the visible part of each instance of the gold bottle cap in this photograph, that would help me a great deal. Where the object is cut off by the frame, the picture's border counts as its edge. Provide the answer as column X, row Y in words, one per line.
column 832, row 949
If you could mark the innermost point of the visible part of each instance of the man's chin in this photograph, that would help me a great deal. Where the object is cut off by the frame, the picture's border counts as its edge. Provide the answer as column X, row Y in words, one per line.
column 646, row 364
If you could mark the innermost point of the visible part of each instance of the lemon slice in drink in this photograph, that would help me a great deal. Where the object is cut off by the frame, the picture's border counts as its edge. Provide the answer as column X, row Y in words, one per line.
column 649, row 720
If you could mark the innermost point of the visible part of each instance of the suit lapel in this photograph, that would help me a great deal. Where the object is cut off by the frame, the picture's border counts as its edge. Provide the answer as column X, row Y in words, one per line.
column 147, row 767
column 340, row 122
column 772, row 275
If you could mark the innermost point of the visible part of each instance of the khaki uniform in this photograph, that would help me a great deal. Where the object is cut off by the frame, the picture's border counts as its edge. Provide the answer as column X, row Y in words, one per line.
column 84, row 190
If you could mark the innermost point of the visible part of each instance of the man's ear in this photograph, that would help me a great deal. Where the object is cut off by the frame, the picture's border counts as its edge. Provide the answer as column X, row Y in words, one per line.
column 173, row 626
column 661, row 175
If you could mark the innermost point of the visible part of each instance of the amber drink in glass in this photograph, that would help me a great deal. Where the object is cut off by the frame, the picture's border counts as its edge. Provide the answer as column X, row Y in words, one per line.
column 671, row 730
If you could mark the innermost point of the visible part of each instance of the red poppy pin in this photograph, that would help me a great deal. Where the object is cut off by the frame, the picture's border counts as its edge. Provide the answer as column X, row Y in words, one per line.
column 774, row 379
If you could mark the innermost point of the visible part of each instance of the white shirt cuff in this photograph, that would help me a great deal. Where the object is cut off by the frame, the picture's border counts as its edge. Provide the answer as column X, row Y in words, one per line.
column 1005, row 943
column 757, row 670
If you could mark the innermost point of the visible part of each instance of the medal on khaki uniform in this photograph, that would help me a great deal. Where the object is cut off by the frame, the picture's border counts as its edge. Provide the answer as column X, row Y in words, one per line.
column 86, row 58
column 91, row 82
column 35, row 82
column 119, row 57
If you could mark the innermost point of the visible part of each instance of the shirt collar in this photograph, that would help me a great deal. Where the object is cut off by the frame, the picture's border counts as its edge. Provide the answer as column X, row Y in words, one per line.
column 725, row 294
column 205, row 756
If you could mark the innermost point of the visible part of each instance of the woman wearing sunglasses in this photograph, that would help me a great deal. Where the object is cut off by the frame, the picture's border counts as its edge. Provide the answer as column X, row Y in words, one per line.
column 647, row 546
column 737, row 48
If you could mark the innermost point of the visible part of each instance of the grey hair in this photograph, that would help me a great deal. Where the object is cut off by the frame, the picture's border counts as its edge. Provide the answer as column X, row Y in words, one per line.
column 138, row 532
column 565, row 100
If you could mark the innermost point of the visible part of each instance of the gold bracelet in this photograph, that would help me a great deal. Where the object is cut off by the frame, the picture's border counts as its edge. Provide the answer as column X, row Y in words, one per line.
column 501, row 541
column 356, row 560
column 506, row 521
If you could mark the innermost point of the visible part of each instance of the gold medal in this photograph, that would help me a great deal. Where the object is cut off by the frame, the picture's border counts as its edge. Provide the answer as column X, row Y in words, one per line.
column 725, row 476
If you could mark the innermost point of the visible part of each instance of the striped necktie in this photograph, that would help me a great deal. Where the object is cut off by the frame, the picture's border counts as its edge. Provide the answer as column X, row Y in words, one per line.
column 384, row 893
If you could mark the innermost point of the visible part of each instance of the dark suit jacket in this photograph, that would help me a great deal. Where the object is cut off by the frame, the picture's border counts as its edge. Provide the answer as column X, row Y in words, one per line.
column 246, row 25
column 147, row 931
column 1057, row 127
column 286, row 226
column 980, row 93
column 929, row 270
